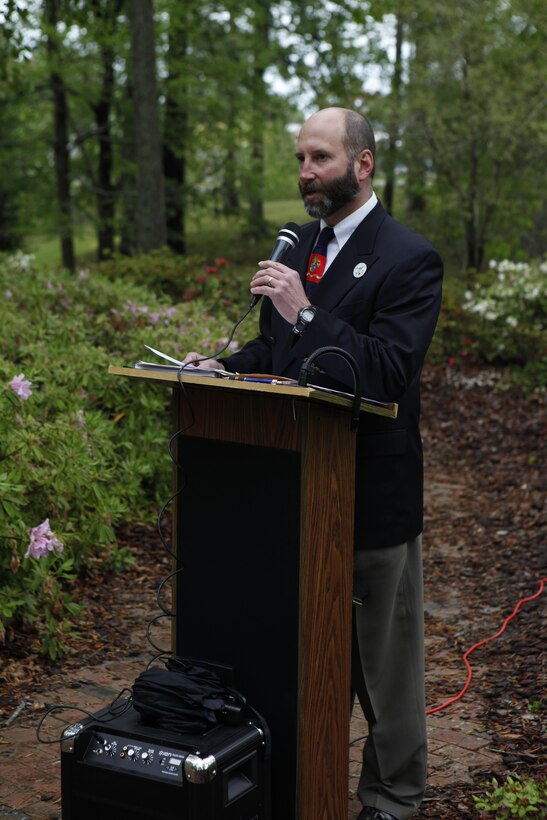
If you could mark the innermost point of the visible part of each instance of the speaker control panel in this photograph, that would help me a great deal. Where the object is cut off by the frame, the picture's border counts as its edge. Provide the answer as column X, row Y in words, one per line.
column 135, row 757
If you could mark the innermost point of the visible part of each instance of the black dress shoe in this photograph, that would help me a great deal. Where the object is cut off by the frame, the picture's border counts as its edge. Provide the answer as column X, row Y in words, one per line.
column 370, row 813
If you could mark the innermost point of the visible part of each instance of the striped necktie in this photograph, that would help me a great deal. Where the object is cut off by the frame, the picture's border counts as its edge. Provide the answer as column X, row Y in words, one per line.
column 318, row 260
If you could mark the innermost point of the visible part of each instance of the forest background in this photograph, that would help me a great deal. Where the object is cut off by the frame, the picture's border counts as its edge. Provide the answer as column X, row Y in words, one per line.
column 126, row 124
column 146, row 163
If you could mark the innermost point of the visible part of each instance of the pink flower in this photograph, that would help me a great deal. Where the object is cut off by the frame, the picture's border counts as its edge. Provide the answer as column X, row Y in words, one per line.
column 42, row 541
column 21, row 386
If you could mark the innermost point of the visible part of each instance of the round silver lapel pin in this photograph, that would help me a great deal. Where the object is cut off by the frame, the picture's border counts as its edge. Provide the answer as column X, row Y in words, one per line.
column 359, row 270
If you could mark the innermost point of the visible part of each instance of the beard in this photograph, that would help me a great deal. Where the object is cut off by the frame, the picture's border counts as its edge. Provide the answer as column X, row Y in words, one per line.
column 335, row 194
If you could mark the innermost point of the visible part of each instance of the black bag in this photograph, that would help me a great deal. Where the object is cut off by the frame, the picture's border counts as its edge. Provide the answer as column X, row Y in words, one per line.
column 185, row 697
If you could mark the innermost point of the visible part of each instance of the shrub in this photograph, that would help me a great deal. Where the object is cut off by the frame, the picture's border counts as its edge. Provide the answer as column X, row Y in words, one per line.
column 517, row 797
column 508, row 305
column 181, row 278
column 78, row 447
column 498, row 319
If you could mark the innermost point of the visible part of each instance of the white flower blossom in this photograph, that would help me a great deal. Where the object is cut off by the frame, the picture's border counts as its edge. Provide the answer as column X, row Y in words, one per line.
column 480, row 307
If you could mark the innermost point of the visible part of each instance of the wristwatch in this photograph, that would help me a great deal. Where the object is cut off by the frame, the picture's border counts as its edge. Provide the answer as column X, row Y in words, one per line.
column 305, row 315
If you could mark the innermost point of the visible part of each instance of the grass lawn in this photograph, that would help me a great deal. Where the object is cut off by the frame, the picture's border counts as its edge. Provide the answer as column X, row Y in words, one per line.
column 208, row 236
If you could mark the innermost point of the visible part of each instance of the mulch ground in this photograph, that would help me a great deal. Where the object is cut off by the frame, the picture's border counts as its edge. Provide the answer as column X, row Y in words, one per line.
column 484, row 551
column 484, row 548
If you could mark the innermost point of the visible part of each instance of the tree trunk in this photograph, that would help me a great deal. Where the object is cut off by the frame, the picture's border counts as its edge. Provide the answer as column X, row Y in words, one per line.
column 230, row 195
column 258, row 117
column 175, row 134
column 472, row 206
column 391, row 154
column 127, row 178
column 60, row 138
column 106, row 21
column 151, row 233
column 474, row 239
column 105, row 188
column 416, row 172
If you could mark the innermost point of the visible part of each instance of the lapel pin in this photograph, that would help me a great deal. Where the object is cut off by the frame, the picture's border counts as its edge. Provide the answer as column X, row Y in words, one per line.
column 359, row 270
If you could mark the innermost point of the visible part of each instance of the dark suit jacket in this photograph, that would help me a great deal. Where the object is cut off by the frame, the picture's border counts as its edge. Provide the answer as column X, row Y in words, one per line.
column 385, row 319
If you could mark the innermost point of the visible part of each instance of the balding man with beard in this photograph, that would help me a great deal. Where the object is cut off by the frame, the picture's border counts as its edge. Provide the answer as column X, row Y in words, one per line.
column 371, row 287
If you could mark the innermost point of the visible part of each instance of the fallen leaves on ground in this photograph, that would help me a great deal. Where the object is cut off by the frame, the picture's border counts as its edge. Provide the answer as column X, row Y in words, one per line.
column 484, row 546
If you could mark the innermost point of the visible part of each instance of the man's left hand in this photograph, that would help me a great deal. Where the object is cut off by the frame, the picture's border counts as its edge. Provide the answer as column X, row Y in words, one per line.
column 284, row 287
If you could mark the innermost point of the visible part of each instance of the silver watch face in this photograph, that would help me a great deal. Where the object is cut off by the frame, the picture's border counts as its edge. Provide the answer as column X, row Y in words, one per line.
column 307, row 314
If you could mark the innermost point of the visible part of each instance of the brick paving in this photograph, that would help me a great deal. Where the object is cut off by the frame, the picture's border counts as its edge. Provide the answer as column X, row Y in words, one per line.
column 457, row 745
column 30, row 772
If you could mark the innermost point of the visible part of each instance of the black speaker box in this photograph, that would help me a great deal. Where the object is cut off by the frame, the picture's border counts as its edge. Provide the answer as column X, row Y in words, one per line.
column 115, row 768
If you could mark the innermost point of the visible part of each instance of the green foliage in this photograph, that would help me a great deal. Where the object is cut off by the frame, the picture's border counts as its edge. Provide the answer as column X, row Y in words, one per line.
column 38, row 593
column 517, row 797
column 84, row 449
column 243, row 75
column 498, row 319
column 507, row 307
column 451, row 335
column 466, row 159
column 180, row 278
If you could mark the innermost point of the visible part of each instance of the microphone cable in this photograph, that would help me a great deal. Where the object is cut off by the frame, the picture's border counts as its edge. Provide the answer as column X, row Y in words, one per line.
column 114, row 710
column 165, row 611
column 288, row 238
column 188, row 365
column 308, row 367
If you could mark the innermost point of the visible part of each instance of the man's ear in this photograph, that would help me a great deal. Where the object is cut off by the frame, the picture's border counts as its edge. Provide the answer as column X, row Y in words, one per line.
column 365, row 162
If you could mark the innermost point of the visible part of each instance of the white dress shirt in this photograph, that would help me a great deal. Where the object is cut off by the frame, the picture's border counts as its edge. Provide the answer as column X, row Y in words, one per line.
column 344, row 229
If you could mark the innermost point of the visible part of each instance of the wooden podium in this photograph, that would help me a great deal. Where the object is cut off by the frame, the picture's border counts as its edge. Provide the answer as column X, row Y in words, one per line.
column 263, row 529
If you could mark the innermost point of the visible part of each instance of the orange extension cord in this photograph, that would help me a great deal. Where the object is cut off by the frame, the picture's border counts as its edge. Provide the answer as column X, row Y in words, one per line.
column 481, row 643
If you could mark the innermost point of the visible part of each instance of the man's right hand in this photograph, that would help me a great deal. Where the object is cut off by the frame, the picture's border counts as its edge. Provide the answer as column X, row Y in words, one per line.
column 199, row 360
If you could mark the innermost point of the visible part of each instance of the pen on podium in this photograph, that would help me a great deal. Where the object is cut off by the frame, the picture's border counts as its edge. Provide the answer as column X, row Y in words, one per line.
column 261, row 381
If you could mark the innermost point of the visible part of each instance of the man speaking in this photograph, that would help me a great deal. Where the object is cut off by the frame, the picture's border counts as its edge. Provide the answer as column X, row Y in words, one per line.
column 360, row 281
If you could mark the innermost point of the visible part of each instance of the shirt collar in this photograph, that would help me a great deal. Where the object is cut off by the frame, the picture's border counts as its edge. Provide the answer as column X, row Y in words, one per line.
column 344, row 229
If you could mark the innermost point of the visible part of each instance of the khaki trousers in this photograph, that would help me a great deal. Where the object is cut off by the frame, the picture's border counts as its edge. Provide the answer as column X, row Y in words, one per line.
column 388, row 676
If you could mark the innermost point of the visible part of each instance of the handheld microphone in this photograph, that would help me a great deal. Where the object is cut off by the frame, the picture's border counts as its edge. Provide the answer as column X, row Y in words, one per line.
column 288, row 238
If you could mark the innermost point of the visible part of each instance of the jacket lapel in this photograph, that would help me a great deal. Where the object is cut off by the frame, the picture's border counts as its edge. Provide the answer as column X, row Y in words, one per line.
column 336, row 282
column 358, row 250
